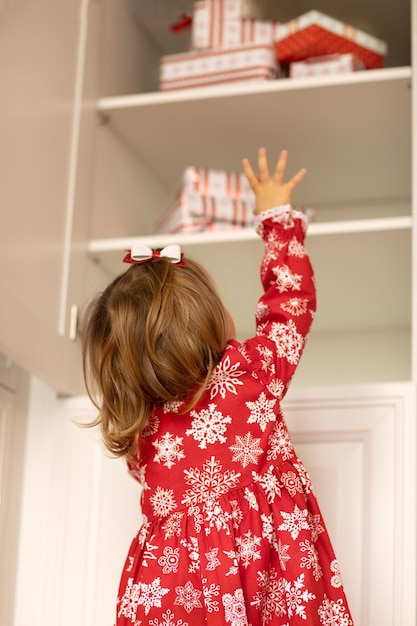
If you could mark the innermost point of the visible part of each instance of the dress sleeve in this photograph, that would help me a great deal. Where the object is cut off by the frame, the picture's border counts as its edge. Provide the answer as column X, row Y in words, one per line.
column 285, row 311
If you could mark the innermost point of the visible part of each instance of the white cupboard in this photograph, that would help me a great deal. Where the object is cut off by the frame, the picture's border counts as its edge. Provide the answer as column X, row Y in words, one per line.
column 113, row 151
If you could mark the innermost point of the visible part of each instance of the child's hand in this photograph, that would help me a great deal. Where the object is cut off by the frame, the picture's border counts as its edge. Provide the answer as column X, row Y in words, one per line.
column 271, row 192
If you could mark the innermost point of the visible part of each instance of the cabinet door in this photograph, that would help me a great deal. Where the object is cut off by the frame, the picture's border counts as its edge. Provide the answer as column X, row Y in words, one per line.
column 359, row 447
column 38, row 75
column 357, row 443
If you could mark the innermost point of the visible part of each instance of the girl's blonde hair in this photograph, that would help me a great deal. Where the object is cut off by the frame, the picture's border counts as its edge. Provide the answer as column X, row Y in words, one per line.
column 154, row 335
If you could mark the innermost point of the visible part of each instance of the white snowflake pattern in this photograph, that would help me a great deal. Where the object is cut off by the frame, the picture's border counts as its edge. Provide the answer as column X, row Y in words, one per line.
column 195, row 512
column 172, row 525
column 282, row 549
column 151, row 595
column 295, row 306
column 193, row 554
column 130, row 601
column 234, row 568
column 268, row 532
column 262, row 411
column 143, row 531
column 138, row 472
column 172, row 406
column 294, row 522
column 209, row 483
column 148, row 551
column 270, row 599
column 276, row 388
column 261, row 310
column 225, row 378
column 289, row 342
column 216, row 517
column 297, row 597
column 266, row 355
column 304, row 477
column 247, row 548
column 208, row 426
column 188, row 597
column 269, row 483
column 168, row 450
column 168, row 620
column 287, row 280
column 236, row 514
column 212, row 560
column 251, row 498
column 280, row 443
column 246, row 449
column 296, row 248
column 334, row 613
column 292, row 483
column 315, row 526
column 163, row 502
column 208, row 593
column 311, row 560
column 336, row 580
column 169, row 561
column 234, row 608
column 152, row 427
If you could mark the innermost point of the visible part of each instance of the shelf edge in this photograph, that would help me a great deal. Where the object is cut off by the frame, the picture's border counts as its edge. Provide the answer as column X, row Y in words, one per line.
column 108, row 104
column 315, row 229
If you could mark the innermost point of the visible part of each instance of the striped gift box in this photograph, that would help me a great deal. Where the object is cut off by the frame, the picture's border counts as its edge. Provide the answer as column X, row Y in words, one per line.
column 216, row 183
column 218, row 24
column 193, row 212
column 329, row 64
column 212, row 67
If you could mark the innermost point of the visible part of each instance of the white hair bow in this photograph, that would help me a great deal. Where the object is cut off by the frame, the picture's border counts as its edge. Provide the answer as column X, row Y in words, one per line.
column 140, row 253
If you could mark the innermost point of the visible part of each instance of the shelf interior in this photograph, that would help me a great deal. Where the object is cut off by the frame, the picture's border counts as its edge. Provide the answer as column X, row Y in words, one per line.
column 148, row 142
column 363, row 274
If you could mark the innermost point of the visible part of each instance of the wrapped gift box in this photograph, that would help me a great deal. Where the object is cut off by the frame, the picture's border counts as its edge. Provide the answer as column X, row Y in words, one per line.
column 218, row 24
column 216, row 183
column 329, row 64
column 316, row 34
column 193, row 212
column 210, row 67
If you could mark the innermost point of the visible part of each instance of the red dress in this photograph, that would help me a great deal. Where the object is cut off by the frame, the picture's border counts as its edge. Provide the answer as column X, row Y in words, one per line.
column 232, row 532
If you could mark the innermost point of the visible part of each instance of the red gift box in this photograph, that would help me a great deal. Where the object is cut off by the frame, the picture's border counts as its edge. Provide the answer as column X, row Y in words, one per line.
column 316, row 34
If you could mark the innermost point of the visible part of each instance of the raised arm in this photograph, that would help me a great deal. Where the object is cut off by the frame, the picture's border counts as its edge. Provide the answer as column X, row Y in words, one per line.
column 284, row 313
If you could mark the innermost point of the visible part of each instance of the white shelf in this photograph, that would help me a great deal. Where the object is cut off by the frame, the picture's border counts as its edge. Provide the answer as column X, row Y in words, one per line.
column 333, row 125
column 362, row 269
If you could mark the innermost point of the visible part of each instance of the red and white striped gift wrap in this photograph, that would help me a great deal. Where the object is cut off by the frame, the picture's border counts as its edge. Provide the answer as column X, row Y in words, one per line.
column 328, row 64
column 218, row 24
column 212, row 67
column 316, row 34
column 193, row 212
column 216, row 183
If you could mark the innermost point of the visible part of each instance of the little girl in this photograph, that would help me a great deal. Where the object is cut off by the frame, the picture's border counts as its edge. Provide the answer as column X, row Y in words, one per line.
column 232, row 533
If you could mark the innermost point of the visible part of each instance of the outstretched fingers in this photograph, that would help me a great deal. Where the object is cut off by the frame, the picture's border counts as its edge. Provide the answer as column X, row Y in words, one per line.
column 280, row 167
column 250, row 174
column 263, row 170
column 293, row 182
